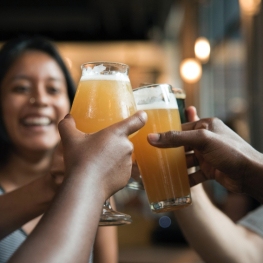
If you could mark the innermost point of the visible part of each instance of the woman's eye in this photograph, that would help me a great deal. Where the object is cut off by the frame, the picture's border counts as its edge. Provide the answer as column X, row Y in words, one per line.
column 21, row 89
column 54, row 90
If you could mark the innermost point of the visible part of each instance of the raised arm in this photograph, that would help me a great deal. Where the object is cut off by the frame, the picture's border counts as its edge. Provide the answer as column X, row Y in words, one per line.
column 25, row 203
column 211, row 233
column 93, row 173
column 214, row 236
column 105, row 249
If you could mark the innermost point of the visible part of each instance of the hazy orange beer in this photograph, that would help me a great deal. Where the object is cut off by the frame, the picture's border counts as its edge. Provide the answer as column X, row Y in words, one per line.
column 163, row 171
column 102, row 100
column 103, row 97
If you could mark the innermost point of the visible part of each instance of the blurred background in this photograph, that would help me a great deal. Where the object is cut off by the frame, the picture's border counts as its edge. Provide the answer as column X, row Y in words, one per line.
column 212, row 49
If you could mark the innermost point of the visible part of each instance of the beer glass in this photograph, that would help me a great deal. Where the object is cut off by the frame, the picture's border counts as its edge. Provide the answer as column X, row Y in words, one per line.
column 180, row 98
column 103, row 97
column 163, row 171
column 135, row 181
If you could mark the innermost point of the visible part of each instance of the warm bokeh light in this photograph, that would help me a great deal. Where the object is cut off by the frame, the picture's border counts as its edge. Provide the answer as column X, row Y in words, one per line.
column 202, row 49
column 190, row 70
column 250, row 7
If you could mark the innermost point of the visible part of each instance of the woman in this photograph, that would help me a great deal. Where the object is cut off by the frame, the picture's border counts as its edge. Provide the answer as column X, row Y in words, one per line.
column 36, row 93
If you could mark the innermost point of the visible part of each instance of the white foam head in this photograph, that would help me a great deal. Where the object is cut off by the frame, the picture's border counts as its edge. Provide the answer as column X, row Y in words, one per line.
column 155, row 98
column 98, row 73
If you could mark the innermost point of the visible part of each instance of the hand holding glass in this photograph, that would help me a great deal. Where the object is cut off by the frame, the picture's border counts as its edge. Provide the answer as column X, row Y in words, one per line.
column 104, row 96
column 163, row 171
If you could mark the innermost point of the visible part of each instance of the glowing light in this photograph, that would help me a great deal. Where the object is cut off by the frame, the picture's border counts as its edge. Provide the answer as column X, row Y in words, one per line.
column 250, row 7
column 202, row 49
column 190, row 70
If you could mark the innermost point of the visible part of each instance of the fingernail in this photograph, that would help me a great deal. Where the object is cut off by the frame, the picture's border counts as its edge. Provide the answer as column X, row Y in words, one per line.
column 154, row 137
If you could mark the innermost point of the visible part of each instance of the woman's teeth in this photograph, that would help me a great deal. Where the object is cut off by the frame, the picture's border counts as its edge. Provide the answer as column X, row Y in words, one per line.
column 37, row 121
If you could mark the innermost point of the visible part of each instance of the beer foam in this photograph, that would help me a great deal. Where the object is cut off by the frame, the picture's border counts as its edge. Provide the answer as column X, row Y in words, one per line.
column 97, row 73
column 156, row 106
column 154, row 98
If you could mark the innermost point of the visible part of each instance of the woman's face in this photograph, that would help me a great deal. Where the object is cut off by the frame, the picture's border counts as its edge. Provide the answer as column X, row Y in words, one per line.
column 34, row 99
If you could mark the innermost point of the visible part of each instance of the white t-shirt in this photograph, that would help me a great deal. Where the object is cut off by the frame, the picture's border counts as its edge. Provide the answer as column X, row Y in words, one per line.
column 254, row 221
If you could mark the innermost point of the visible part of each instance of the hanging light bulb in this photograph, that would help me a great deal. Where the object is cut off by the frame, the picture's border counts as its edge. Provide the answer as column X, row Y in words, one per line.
column 190, row 70
column 202, row 49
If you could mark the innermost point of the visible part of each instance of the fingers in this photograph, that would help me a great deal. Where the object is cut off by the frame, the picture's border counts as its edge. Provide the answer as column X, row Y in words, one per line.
column 132, row 124
column 197, row 178
column 163, row 140
column 169, row 139
column 202, row 140
column 57, row 169
column 191, row 160
column 191, row 114
column 166, row 139
column 67, row 127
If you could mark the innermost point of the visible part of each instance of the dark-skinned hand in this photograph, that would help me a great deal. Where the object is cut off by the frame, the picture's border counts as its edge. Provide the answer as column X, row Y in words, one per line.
column 219, row 152
column 106, row 154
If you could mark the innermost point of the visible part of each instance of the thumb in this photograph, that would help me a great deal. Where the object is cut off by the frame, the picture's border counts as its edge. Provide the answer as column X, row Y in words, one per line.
column 132, row 123
column 67, row 128
column 191, row 114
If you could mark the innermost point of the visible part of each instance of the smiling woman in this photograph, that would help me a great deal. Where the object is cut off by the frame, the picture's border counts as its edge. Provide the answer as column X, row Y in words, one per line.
column 35, row 94
column 36, row 91
column 34, row 100
column 31, row 70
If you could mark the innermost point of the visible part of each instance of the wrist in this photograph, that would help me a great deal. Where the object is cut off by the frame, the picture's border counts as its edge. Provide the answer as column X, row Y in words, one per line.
column 88, row 182
column 253, row 183
column 48, row 188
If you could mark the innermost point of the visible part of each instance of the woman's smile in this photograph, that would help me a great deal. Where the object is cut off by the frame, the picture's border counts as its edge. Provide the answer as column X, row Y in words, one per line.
column 34, row 100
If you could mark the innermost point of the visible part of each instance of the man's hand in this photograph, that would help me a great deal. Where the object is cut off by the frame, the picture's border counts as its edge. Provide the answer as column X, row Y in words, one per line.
column 106, row 154
column 218, row 151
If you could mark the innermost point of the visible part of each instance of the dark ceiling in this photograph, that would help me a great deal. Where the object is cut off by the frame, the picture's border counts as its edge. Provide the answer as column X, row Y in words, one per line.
column 83, row 20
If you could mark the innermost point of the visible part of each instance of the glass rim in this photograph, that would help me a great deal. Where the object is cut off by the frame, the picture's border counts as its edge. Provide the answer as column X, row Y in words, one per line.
column 154, row 85
column 104, row 62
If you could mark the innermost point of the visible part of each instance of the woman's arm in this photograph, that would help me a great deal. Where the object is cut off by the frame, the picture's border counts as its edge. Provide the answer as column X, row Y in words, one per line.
column 67, row 230
column 214, row 236
column 105, row 248
column 25, row 203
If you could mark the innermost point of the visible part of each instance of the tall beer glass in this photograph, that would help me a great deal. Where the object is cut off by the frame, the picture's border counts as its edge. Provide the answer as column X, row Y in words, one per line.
column 180, row 98
column 103, row 97
column 135, row 181
column 163, row 171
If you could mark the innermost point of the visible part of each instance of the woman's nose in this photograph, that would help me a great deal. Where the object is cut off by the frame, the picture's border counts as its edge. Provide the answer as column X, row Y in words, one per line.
column 40, row 97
